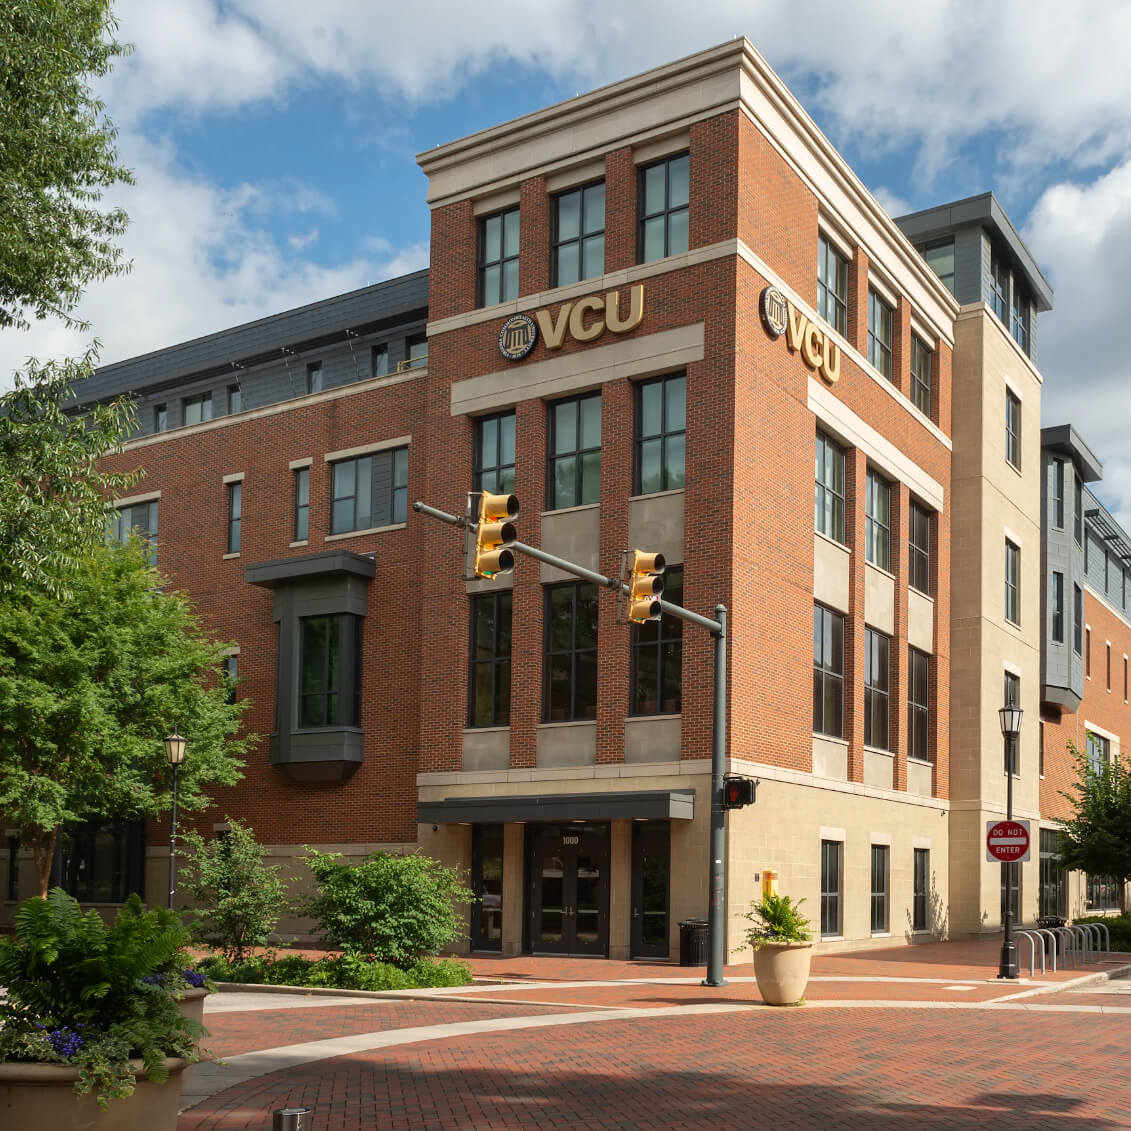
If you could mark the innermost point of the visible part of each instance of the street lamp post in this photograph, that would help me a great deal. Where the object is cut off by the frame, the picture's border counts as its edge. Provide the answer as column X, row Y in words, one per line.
column 175, row 753
column 1010, row 716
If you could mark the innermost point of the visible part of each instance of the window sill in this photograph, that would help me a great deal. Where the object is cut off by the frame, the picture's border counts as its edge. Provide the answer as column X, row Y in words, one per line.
column 487, row 730
column 831, row 738
column 655, row 715
column 367, row 530
column 920, row 593
column 300, row 542
column 658, row 494
column 880, row 569
column 919, row 761
column 566, row 723
column 571, row 510
column 832, row 938
column 1013, row 467
column 879, row 750
column 881, row 934
column 228, row 557
column 832, row 541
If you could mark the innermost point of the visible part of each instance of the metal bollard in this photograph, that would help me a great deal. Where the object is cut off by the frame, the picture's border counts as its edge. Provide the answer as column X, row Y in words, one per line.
column 291, row 1119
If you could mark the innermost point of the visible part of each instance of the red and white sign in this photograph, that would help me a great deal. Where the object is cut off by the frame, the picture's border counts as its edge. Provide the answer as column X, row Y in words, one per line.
column 1007, row 842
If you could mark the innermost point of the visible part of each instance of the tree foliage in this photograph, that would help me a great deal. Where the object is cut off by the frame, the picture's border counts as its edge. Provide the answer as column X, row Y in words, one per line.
column 1097, row 837
column 90, row 684
column 239, row 899
column 57, row 153
column 396, row 908
column 52, row 490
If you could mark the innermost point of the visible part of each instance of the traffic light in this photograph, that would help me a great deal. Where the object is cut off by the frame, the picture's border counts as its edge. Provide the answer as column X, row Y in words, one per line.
column 494, row 533
column 645, row 586
column 738, row 791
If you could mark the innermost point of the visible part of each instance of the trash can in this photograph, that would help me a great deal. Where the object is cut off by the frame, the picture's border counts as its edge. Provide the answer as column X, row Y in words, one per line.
column 693, row 942
column 291, row 1119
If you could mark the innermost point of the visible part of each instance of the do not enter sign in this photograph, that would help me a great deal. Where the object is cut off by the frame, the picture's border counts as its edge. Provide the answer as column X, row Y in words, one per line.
column 1007, row 842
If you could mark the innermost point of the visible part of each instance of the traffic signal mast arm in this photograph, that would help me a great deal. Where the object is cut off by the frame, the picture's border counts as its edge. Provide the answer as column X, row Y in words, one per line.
column 712, row 626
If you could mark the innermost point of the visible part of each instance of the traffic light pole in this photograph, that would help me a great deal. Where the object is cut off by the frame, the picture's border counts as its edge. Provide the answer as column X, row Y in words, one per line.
column 716, row 924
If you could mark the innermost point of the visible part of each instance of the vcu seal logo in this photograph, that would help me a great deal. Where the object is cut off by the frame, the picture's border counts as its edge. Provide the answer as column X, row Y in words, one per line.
column 517, row 337
column 774, row 312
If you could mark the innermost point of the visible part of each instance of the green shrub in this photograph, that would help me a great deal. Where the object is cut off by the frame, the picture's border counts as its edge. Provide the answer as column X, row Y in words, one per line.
column 349, row 971
column 395, row 909
column 776, row 919
column 1119, row 927
column 239, row 898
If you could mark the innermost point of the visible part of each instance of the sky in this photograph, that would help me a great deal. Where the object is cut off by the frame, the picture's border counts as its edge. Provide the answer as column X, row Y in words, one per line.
column 273, row 144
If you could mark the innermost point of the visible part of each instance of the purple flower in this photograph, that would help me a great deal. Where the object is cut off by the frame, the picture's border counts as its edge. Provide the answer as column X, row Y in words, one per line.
column 66, row 1042
column 154, row 979
column 195, row 978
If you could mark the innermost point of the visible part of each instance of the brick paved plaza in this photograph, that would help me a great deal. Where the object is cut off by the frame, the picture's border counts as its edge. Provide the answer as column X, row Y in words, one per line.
column 883, row 1043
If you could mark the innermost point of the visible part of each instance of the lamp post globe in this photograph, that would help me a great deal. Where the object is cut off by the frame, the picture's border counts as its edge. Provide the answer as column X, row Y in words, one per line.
column 175, row 754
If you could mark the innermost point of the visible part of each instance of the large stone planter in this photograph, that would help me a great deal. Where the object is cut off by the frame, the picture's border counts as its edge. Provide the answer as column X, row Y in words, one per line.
column 782, row 971
column 43, row 1096
column 191, row 1002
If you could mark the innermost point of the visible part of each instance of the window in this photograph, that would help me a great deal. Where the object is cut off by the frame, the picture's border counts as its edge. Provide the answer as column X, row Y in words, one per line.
column 1078, row 517
column 379, row 361
column 828, row 672
column 828, row 495
column 919, row 545
column 831, row 852
column 877, row 521
column 489, row 677
column 1087, row 540
column 664, row 202
column 1057, row 603
column 1013, row 428
column 877, row 673
column 1102, row 893
column 661, row 427
column 101, row 861
column 416, row 350
column 1098, row 751
column 1011, row 697
column 1124, row 679
column 578, row 250
column 880, row 853
column 160, row 418
column 13, row 868
column 498, row 258
column 326, row 645
column 918, row 713
column 1054, row 889
column 1077, row 619
column 879, row 333
column 235, row 399
column 302, row 504
column 1041, row 747
column 939, row 255
column 198, row 409
column 574, row 474
column 1012, row 583
column 921, row 359
column 314, row 377
column 1107, row 571
column 920, row 892
column 1109, row 667
column 369, row 491
column 657, row 656
column 235, row 512
column 1058, row 493
column 999, row 286
column 493, row 470
column 832, row 285
column 139, row 519
column 231, row 677
column 570, row 663
column 1019, row 316
column 1088, row 652
column 1015, row 879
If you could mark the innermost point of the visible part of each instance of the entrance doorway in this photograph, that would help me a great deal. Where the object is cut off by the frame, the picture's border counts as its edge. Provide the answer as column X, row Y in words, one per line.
column 487, row 883
column 651, row 870
column 568, row 889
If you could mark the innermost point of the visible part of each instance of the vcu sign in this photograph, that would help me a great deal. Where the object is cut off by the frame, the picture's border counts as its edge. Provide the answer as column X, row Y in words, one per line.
column 817, row 348
column 584, row 320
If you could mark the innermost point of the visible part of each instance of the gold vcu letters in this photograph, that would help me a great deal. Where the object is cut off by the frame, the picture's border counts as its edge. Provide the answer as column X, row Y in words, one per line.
column 588, row 318
column 814, row 345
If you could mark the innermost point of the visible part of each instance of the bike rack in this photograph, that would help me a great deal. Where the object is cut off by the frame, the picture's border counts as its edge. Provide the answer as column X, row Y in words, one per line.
column 1107, row 938
column 1047, row 937
column 1031, row 939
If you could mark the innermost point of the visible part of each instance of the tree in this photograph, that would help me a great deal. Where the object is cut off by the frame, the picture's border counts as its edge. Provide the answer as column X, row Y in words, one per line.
column 239, row 898
column 90, row 684
column 1097, row 837
column 52, row 491
column 57, row 153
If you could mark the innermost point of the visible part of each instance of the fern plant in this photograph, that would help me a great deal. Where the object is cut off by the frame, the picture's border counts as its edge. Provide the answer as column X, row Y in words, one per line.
column 776, row 919
column 92, row 996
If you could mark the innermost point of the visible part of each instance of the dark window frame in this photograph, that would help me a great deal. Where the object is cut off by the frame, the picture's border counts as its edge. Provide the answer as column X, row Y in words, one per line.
column 1056, row 607
column 496, row 258
column 832, row 887
column 340, row 686
column 828, row 501
column 828, row 669
column 666, row 212
column 880, row 315
column 160, row 418
column 668, row 437
column 315, row 378
column 379, row 360
column 1013, row 429
column 1078, row 501
column 944, row 244
column 919, row 549
column 1078, row 620
column 881, row 871
column 919, row 705
column 497, row 658
column 832, row 284
column 577, row 453
column 584, row 238
column 1053, row 897
column 301, row 527
column 235, row 515
column 586, row 709
column 1058, row 494
column 497, row 477
column 200, row 401
column 877, row 689
column 877, row 527
column 657, row 638
column 999, row 286
column 920, row 888
column 394, row 502
column 922, row 367
column 1012, row 582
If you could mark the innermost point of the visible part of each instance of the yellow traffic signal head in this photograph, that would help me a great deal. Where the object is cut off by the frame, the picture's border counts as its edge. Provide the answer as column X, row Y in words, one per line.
column 494, row 533
column 645, row 586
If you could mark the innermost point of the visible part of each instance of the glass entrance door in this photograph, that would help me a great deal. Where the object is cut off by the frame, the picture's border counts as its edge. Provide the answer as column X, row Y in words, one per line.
column 487, row 883
column 651, row 867
column 568, row 870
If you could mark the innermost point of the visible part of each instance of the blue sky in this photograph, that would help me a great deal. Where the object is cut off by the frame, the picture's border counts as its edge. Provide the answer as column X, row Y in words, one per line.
column 274, row 144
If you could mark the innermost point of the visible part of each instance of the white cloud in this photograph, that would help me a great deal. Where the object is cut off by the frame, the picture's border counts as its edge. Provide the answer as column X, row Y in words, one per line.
column 304, row 239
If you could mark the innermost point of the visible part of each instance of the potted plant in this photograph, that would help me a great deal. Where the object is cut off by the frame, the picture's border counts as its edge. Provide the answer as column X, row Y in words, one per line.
column 782, row 942
column 93, row 1034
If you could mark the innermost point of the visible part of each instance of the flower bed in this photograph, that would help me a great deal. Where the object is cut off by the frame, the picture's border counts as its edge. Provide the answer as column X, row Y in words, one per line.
column 342, row 972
